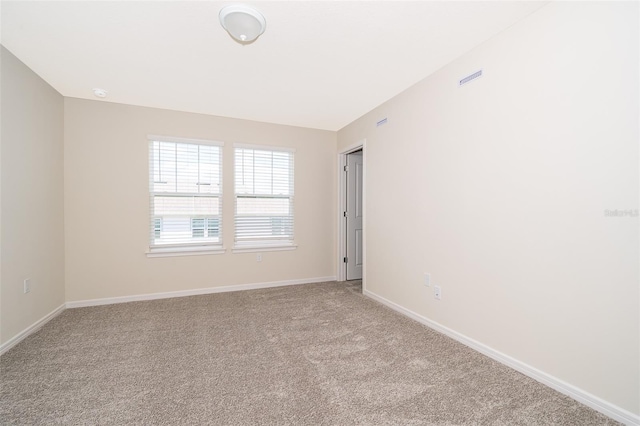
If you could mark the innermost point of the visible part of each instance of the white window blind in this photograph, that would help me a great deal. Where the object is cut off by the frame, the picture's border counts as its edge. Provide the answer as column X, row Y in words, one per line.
column 264, row 196
column 185, row 186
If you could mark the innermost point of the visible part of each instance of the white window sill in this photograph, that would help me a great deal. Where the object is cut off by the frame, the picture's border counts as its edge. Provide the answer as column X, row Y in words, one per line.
column 262, row 248
column 184, row 251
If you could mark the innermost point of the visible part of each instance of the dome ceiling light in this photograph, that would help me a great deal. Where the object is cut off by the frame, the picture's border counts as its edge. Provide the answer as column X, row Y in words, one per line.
column 244, row 23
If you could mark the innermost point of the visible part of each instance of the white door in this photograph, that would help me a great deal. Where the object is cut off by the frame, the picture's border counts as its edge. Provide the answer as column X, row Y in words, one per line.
column 354, row 216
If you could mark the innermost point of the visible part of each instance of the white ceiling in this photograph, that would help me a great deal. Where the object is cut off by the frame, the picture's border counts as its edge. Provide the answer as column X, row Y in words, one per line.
column 319, row 64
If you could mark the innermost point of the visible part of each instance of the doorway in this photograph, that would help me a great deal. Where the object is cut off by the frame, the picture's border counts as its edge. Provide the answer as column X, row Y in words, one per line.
column 351, row 209
column 354, row 215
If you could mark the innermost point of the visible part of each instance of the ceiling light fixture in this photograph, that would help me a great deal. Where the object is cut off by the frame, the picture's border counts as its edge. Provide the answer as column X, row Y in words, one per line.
column 243, row 23
column 100, row 93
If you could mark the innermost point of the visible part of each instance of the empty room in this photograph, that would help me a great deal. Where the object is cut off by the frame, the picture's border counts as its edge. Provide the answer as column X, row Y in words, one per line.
column 320, row 212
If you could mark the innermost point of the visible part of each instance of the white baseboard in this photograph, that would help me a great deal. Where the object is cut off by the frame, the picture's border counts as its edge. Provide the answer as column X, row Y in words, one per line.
column 31, row 329
column 561, row 386
column 194, row 292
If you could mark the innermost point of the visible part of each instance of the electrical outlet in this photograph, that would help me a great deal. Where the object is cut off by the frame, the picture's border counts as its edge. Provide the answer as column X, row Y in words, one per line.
column 437, row 292
column 27, row 285
column 427, row 279
column 259, row 257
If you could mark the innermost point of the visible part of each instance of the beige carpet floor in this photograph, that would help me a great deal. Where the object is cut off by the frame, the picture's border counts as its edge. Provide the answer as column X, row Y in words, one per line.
column 318, row 354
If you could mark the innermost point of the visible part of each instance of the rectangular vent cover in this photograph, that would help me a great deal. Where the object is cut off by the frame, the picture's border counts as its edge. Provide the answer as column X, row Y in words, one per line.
column 469, row 78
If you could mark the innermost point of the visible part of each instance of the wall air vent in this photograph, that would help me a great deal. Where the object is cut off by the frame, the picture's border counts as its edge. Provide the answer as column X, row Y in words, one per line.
column 469, row 78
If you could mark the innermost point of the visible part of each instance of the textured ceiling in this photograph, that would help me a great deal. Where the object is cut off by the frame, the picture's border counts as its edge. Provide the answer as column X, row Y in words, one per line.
column 319, row 64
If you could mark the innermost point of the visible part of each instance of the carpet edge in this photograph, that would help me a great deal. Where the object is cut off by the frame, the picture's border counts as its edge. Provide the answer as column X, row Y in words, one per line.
column 608, row 409
column 31, row 329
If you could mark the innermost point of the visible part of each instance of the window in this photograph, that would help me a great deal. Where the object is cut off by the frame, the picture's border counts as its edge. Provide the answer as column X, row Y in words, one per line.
column 157, row 228
column 264, row 197
column 197, row 228
column 185, row 186
column 202, row 227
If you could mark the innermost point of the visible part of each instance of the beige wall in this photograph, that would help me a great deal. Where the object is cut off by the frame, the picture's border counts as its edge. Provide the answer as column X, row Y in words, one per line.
column 499, row 188
column 107, row 203
column 31, row 179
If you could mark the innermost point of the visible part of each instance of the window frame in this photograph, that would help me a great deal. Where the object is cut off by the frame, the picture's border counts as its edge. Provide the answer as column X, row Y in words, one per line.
column 192, row 247
column 273, row 244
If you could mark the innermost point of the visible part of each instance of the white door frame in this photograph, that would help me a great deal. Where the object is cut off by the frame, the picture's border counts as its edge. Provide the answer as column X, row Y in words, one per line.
column 342, row 206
